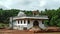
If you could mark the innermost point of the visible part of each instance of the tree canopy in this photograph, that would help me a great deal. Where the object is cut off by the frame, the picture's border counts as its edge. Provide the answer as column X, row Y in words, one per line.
column 53, row 15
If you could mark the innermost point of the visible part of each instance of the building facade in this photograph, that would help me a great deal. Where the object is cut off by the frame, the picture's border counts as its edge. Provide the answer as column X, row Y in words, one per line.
column 23, row 22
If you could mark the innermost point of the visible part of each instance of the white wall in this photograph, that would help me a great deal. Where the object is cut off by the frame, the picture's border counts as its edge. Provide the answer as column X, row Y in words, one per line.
column 21, row 26
column 30, row 25
column 41, row 25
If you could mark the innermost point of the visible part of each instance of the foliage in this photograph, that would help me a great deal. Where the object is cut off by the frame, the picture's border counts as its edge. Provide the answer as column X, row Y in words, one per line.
column 53, row 15
column 2, row 25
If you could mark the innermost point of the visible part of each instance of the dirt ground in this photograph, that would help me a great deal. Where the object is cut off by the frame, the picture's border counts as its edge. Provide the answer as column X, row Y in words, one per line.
column 49, row 33
column 24, row 32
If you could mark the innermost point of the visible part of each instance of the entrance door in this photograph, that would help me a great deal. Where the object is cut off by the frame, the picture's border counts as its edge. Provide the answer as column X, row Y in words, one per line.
column 35, row 23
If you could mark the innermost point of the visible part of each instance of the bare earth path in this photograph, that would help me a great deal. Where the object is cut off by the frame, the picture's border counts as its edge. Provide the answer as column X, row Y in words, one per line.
column 49, row 33
column 23, row 32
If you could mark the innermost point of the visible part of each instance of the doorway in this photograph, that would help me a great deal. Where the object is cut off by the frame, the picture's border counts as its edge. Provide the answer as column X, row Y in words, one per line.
column 35, row 23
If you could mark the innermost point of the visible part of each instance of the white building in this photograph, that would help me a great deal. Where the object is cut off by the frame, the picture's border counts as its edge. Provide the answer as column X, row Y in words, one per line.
column 21, row 21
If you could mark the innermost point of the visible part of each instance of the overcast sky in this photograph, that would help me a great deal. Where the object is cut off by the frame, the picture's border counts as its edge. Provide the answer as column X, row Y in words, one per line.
column 29, row 4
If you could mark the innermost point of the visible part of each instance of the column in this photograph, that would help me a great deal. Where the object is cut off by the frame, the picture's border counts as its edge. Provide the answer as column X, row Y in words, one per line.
column 26, row 21
column 19, row 21
column 22, row 21
column 16, row 21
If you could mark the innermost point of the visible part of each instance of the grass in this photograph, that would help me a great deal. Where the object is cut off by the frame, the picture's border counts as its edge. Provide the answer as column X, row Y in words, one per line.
column 2, row 25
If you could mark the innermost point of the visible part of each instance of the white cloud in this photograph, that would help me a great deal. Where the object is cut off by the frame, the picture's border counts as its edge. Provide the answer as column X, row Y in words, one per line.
column 5, row 3
column 42, row 3
column 30, row 4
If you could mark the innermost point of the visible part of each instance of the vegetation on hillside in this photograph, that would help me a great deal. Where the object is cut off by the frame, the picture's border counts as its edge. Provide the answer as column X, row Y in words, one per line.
column 54, row 16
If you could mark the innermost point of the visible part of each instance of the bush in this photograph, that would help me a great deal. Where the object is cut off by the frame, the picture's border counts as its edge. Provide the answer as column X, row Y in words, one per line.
column 3, row 25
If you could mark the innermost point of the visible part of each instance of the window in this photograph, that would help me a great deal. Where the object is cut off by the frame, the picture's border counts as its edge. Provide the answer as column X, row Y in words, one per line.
column 21, row 21
column 42, row 22
column 28, row 22
column 18, row 21
column 24, row 21
column 25, row 28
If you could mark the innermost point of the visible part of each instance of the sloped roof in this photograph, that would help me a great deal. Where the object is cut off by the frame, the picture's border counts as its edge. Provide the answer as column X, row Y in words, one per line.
column 21, row 14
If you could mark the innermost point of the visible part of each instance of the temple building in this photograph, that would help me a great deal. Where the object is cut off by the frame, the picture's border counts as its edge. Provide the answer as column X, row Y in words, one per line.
column 24, row 22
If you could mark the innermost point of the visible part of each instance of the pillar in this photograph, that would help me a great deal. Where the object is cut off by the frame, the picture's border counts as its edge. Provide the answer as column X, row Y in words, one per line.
column 22, row 21
column 26, row 21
